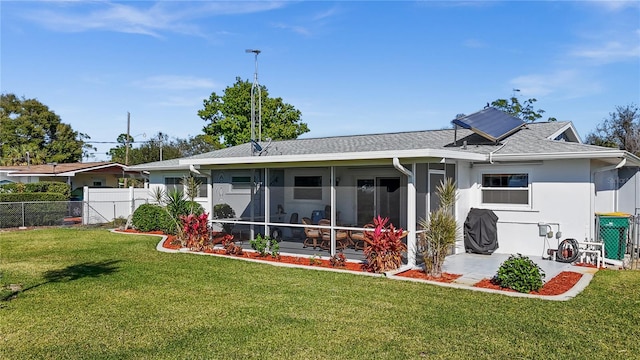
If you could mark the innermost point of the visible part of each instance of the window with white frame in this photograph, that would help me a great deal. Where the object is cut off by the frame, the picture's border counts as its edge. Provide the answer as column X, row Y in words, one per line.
column 307, row 187
column 176, row 183
column 505, row 188
column 241, row 182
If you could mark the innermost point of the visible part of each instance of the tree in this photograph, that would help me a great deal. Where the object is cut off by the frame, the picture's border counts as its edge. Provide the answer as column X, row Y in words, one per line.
column 230, row 116
column 150, row 151
column 621, row 130
column 30, row 132
column 199, row 144
column 524, row 111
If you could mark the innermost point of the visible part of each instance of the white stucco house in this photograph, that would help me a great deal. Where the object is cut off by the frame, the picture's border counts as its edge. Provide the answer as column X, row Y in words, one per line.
column 527, row 173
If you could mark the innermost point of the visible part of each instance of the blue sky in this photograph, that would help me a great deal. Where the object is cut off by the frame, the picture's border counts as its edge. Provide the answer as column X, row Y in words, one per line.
column 350, row 67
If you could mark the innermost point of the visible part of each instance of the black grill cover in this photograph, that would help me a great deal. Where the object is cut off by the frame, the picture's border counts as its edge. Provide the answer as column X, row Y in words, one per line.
column 481, row 231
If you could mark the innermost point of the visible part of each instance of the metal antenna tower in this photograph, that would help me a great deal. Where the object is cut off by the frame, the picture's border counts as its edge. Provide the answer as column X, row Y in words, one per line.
column 256, row 108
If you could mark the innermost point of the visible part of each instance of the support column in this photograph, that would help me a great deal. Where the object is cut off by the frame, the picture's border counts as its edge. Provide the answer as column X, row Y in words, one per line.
column 412, row 237
column 333, row 210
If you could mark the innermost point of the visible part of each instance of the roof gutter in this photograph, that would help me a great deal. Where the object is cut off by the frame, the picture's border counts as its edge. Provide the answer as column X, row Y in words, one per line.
column 339, row 156
column 632, row 159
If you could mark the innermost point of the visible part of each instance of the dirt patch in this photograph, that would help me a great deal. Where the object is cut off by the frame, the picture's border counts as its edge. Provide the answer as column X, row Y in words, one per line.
column 419, row 274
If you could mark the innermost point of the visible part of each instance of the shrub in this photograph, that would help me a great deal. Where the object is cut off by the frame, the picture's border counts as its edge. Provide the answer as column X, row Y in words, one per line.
column 315, row 260
column 195, row 230
column 31, row 196
column 265, row 245
column 194, row 207
column 231, row 248
column 520, row 273
column 385, row 248
column 224, row 211
column 150, row 217
column 338, row 260
column 54, row 187
column 176, row 203
column 440, row 231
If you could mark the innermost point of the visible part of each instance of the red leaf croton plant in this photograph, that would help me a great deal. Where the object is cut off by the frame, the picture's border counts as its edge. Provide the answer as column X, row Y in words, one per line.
column 385, row 246
column 195, row 229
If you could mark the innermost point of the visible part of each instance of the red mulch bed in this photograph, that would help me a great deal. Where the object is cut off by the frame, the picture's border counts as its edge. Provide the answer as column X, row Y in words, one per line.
column 419, row 274
column 296, row 260
column 560, row 284
column 171, row 243
column 556, row 286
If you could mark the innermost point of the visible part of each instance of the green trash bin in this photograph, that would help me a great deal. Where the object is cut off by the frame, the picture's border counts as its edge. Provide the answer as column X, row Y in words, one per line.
column 613, row 232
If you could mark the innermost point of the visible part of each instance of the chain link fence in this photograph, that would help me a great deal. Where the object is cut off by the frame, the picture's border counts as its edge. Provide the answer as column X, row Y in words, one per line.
column 40, row 213
column 56, row 213
column 634, row 241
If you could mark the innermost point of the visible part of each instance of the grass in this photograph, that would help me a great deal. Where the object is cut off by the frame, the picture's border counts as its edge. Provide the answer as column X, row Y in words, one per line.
column 91, row 294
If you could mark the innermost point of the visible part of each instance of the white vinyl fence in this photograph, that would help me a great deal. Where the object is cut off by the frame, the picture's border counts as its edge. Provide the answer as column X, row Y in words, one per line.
column 102, row 205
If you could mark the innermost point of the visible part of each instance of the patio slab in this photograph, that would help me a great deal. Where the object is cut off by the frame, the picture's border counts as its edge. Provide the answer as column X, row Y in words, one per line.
column 475, row 267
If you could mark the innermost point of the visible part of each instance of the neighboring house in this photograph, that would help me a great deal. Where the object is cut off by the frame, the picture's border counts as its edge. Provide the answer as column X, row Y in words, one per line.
column 528, row 174
column 77, row 175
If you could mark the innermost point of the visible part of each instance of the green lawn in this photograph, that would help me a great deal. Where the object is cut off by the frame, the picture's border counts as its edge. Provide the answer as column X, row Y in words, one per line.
column 91, row 294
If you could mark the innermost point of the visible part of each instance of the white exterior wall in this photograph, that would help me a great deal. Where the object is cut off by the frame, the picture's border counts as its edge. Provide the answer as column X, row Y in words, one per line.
column 156, row 179
column 305, row 207
column 223, row 192
column 466, row 199
column 629, row 192
column 605, row 195
column 560, row 192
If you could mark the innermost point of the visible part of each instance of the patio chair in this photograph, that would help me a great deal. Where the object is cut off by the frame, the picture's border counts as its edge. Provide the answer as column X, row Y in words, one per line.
column 312, row 234
column 358, row 238
column 296, row 233
column 342, row 236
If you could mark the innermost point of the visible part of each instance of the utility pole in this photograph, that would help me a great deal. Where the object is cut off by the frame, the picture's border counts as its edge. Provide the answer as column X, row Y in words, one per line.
column 126, row 150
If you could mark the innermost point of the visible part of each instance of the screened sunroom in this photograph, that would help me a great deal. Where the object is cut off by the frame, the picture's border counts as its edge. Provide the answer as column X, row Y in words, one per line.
column 322, row 210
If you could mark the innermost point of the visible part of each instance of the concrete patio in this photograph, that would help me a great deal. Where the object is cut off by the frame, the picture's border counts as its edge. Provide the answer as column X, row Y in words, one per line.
column 475, row 267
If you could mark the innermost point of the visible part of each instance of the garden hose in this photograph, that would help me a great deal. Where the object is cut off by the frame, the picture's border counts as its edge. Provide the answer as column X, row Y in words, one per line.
column 568, row 251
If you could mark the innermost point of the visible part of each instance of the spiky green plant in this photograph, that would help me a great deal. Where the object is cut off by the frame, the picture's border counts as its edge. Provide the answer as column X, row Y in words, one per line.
column 440, row 231
column 157, row 194
column 191, row 185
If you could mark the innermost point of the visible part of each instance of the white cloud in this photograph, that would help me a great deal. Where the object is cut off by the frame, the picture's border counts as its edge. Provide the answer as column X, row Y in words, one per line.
column 615, row 5
column 173, row 82
column 295, row 28
column 564, row 84
column 174, row 16
column 181, row 101
column 474, row 43
column 610, row 51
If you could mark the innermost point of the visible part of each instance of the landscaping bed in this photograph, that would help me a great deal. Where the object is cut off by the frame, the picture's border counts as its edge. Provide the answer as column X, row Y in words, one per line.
column 560, row 284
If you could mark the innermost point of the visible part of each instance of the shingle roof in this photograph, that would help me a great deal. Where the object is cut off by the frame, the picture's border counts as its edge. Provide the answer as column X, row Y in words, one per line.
column 531, row 139
column 59, row 168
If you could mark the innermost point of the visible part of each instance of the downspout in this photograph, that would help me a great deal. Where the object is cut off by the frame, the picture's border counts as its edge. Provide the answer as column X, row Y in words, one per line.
column 411, row 211
column 496, row 150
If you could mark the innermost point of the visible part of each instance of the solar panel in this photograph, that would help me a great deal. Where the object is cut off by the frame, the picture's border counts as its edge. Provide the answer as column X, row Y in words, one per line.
column 490, row 123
